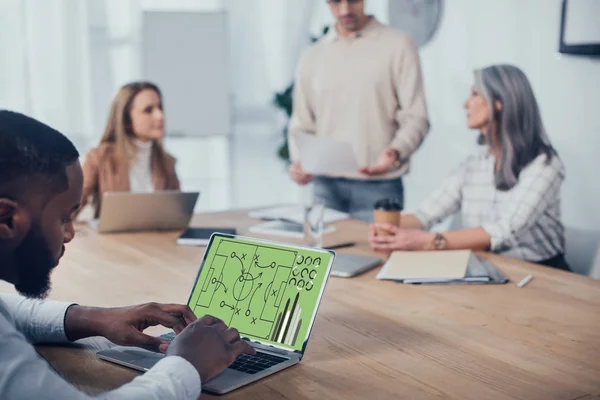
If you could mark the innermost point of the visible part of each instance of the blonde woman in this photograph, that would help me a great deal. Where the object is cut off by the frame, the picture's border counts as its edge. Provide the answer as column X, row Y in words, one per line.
column 130, row 155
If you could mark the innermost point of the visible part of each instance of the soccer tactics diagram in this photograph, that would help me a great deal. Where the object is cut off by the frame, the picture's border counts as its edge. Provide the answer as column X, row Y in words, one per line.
column 263, row 290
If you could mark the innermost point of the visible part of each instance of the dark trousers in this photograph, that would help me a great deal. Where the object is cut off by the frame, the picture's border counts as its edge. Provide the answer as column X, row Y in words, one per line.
column 355, row 196
column 557, row 262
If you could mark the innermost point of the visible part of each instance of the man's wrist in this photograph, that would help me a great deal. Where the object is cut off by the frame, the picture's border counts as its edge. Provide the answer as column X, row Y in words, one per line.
column 397, row 158
column 82, row 322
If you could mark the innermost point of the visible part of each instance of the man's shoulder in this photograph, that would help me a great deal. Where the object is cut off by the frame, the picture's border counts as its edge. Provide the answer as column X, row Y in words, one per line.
column 314, row 50
column 395, row 36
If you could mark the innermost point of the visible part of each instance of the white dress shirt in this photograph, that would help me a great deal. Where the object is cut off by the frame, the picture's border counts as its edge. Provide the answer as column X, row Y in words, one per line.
column 523, row 222
column 25, row 375
column 140, row 170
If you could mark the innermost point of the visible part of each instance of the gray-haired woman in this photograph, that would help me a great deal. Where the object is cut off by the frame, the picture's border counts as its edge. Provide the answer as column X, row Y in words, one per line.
column 508, row 192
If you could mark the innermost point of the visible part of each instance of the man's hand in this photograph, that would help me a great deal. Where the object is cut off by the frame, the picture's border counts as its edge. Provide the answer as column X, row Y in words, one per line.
column 125, row 325
column 399, row 239
column 209, row 346
column 384, row 163
column 298, row 175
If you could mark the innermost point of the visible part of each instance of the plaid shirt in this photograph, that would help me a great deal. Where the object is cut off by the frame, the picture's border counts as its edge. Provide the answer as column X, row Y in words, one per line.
column 523, row 222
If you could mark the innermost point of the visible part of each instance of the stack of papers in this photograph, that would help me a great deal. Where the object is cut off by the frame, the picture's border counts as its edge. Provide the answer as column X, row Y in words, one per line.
column 284, row 228
column 295, row 214
column 325, row 156
column 452, row 266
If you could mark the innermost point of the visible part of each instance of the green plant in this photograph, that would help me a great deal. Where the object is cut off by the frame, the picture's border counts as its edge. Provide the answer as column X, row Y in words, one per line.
column 284, row 101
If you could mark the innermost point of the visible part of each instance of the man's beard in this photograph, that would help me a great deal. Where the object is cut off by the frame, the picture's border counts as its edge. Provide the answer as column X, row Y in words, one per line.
column 34, row 261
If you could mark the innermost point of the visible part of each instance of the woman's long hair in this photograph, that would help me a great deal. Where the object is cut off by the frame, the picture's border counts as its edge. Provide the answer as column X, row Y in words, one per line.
column 517, row 127
column 119, row 131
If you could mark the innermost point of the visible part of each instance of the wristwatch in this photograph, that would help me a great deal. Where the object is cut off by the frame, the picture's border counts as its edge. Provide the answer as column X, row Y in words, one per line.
column 439, row 242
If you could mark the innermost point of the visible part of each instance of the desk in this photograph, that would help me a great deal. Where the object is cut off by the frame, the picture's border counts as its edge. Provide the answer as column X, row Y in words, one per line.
column 372, row 339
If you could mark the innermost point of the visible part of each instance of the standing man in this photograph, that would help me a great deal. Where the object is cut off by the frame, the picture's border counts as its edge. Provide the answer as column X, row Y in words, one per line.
column 360, row 84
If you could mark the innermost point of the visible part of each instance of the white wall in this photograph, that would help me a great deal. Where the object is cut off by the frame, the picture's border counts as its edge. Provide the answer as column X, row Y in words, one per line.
column 476, row 33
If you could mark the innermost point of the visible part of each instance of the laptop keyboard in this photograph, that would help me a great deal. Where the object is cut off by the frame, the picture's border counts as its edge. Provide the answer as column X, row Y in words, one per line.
column 245, row 363
column 256, row 363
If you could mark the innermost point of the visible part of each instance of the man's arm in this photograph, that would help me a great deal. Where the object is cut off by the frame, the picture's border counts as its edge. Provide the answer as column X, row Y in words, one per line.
column 24, row 375
column 412, row 115
column 39, row 321
column 53, row 321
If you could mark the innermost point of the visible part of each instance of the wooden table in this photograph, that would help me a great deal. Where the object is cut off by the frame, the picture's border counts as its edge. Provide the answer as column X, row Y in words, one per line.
column 372, row 339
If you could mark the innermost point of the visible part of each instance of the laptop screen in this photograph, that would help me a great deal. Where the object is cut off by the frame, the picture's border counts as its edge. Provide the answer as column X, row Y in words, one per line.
column 269, row 292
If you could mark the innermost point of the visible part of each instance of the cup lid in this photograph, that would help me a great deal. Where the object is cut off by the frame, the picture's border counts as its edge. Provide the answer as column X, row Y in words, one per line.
column 388, row 204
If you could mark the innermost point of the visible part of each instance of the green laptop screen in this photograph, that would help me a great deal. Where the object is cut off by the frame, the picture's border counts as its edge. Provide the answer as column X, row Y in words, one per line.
column 268, row 292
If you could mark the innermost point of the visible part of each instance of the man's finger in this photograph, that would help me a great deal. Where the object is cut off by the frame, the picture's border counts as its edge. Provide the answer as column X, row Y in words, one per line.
column 231, row 335
column 181, row 311
column 147, row 342
column 166, row 319
column 209, row 320
column 220, row 327
column 378, row 169
column 241, row 347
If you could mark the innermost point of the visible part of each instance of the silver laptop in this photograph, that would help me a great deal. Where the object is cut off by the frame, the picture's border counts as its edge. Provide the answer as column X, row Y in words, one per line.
column 128, row 212
column 349, row 265
column 268, row 291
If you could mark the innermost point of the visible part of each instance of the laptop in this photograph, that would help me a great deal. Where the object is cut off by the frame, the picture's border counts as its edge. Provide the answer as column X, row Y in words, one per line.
column 268, row 291
column 201, row 236
column 129, row 212
column 350, row 265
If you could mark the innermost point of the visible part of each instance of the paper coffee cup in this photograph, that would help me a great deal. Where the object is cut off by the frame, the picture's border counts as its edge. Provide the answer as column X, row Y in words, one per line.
column 387, row 211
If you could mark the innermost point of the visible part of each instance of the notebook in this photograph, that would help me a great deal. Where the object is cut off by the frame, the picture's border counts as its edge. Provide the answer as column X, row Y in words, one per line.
column 448, row 264
column 445, row 267
column 201, row 236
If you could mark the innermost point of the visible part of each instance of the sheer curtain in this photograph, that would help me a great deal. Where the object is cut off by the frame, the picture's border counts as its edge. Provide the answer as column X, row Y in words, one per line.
column 45, row 62
column 61, row 61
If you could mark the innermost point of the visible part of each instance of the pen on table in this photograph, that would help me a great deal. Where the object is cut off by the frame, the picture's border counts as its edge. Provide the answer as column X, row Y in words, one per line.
column 339, row 246
column 525, row 281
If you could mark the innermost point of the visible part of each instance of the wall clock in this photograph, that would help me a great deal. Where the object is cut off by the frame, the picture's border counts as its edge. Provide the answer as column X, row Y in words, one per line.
column 418, row 18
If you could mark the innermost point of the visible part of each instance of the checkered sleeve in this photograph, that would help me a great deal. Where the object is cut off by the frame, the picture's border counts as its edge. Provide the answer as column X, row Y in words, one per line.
column 444, row 201
column 537, row 189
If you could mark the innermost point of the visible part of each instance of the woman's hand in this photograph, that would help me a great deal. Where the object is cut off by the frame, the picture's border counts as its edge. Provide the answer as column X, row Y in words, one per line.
column 398, row 238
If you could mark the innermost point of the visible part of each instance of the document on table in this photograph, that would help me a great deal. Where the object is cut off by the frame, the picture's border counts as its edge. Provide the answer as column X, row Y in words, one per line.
column 295, row 214
column 425, row 265
column 321, row 155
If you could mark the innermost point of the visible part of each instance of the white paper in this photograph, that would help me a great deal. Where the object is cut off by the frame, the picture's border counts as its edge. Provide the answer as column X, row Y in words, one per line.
column 295, row 214
column 321, row 156
column 279, row 228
